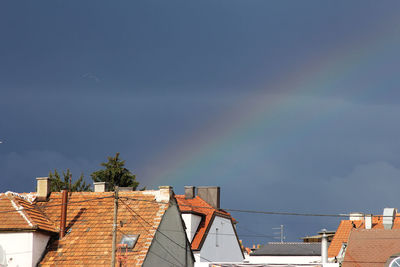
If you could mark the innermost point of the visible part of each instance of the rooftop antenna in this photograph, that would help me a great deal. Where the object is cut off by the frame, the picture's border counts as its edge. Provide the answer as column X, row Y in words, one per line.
column 281, row 237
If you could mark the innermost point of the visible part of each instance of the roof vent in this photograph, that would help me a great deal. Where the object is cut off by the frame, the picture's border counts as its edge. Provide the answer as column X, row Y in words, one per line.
column 388, row 217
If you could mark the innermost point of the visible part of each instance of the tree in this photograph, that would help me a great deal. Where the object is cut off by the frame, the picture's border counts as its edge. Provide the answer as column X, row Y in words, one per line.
column 115, row 174
column 57, row 184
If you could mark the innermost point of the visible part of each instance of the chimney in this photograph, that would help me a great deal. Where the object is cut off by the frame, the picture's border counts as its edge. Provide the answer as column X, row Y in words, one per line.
column 42, row 188
column 63, row 218
column 368, row 221
column 388, row 217
column 165, row 193
column 100, row 187
column 356, row 216
column 189, row 192
column 210, row 194
column 324, row 247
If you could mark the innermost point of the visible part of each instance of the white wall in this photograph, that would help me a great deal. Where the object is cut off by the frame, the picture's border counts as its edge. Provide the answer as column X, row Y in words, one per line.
column 221, row 244
column 284, row 259
column 21, row 249
column 39, row 245
column 192, row 222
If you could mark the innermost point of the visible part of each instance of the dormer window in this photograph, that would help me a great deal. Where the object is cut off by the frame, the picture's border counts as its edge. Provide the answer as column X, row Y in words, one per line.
column 129, row 240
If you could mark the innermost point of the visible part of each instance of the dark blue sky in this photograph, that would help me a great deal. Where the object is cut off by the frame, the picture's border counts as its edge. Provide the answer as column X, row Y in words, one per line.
column 287, row 105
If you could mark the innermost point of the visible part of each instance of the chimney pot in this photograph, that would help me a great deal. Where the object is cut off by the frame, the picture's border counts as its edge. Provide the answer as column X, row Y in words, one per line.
column 100, row 187
column 210, row 194
column 42, row 188
column 190, row 192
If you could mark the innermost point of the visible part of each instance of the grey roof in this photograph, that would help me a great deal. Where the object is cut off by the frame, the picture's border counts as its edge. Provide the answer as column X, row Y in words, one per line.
column 289, row 249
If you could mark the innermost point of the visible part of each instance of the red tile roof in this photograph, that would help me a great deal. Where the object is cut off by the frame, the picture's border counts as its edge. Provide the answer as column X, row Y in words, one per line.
column 88, row 239
column 346, row 226
column 372, row 247
column 199, row 206
column 18, row 213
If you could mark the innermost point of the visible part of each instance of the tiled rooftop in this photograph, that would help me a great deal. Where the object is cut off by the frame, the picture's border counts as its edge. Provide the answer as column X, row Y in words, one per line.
column 18, row 213
column 345, row 228
column 198, row 205
column 88, row 239
column 370, row 248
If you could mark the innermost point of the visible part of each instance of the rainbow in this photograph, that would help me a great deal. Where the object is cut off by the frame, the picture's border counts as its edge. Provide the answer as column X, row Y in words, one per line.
column 261, row 111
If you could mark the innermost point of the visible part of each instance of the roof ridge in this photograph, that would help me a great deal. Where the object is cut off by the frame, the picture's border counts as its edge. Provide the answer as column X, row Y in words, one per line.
column 20, row 196
column 20, row 209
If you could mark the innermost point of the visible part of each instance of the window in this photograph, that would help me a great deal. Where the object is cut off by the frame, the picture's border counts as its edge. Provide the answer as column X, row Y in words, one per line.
column 129, row 240
column 216, row 237
column 395, row 262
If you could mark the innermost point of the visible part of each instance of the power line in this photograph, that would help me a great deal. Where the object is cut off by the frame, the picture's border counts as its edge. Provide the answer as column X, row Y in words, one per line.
column 158, row 230
column 137, row 215
column 54, row 205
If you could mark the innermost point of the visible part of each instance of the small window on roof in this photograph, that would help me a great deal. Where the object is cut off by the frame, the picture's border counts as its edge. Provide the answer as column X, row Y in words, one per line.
column 129, row 240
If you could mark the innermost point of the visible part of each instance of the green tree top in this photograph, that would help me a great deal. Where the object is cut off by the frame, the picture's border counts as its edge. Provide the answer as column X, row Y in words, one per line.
column 115, row 174
column 57, row 184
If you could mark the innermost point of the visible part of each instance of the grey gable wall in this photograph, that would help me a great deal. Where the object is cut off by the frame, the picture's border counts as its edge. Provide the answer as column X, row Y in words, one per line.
column 169, row 243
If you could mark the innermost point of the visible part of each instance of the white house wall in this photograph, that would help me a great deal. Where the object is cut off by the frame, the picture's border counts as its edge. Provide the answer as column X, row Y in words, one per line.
column 192, row 222
column 22, row 249
column 221, row 244
column 39, row 245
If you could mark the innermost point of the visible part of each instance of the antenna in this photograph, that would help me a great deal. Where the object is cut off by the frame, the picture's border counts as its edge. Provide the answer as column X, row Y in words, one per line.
column 281, row 237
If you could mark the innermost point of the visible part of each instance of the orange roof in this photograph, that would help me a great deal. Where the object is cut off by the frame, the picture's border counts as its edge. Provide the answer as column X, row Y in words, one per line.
column 346, row 226
column 88, row 239
column 21, row 214
column 199, row 206
column 371, row 247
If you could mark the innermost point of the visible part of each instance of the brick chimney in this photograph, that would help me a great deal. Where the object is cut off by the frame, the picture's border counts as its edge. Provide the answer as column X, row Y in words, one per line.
column 190, row 192
column 42, row 188
column 210, row 194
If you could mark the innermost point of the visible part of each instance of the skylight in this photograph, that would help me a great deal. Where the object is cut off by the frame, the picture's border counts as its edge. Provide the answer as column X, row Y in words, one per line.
column 129, row 240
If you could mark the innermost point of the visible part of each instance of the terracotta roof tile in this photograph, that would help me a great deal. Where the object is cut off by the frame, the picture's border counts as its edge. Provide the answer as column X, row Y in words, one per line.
column 21, row 214
column 371, row 247
column 346, row 226
column 89, row 227
column 198, row 205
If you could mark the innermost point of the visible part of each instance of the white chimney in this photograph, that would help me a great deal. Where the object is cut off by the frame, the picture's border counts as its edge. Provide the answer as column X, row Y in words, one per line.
column 356, row 216
column 164, row 193
column 324, row 247
column 388, row 217
column 42, row 188
column 100, row 187
column 368, row 221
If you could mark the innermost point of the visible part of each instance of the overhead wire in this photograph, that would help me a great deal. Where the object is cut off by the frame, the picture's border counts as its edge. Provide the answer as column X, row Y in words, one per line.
column 137, row 215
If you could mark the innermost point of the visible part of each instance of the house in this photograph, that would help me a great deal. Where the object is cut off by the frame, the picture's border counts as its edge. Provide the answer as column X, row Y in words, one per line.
column 390, row 220
column 210, row 230
column 149, row 230
column 24, row 231
column 373, row 247
column 287, row 253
